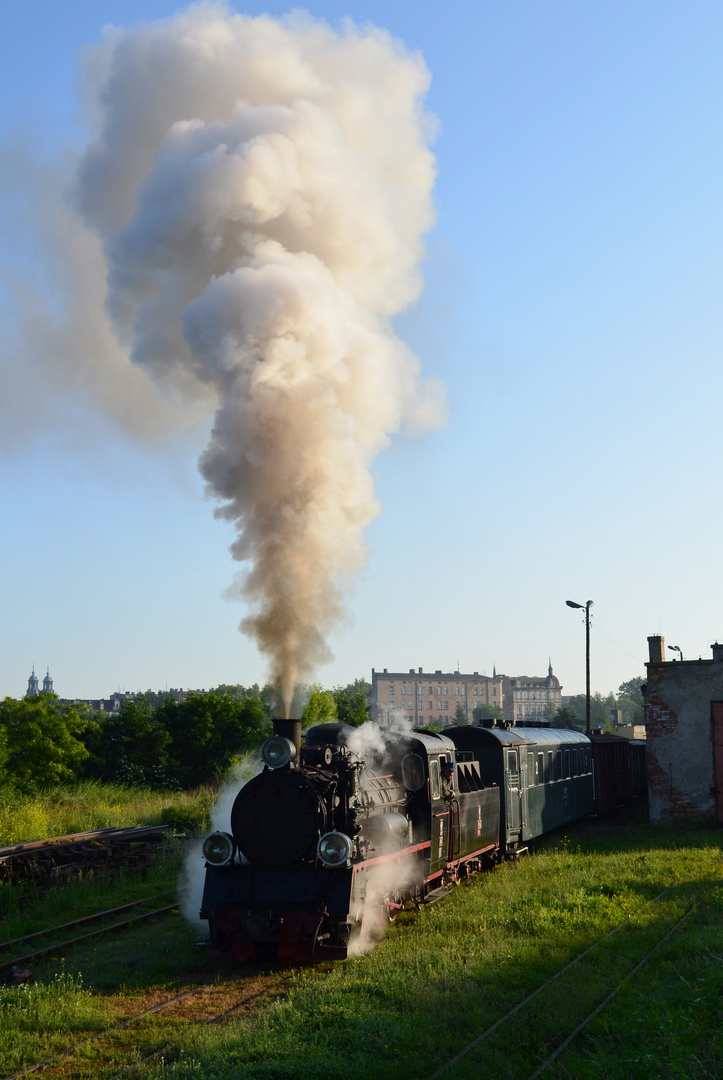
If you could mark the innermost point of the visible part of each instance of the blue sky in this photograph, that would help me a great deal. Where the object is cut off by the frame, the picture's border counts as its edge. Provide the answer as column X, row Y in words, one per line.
column 572, row 309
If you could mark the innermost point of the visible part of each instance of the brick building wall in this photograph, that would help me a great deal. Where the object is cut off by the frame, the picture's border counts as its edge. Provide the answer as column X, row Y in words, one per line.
column 683, row 715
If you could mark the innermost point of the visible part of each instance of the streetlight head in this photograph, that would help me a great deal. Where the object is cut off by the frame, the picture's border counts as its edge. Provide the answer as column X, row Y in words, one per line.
column 571, row 603
column 590, row 603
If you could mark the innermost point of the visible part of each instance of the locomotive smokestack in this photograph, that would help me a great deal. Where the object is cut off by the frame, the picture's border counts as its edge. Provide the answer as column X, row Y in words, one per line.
column 291, row 730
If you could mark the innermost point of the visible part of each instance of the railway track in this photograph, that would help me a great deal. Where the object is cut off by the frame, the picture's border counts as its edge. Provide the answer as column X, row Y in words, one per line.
column 109, row 1042
column 64, row 855
column 580, row 1027
column 12, row 965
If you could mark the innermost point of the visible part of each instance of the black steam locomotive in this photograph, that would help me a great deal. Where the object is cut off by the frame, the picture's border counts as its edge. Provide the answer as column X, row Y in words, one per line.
column 333, row 833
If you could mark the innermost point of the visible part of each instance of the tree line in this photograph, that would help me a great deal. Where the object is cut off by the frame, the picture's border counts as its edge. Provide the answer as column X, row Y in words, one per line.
column 157, row 741
column 154, row 740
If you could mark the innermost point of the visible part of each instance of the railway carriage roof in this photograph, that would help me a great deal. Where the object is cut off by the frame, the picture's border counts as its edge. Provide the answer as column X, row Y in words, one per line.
column 521, row 736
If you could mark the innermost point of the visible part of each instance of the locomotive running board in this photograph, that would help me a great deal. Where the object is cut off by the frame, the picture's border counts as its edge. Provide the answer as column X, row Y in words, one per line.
column 436, row 894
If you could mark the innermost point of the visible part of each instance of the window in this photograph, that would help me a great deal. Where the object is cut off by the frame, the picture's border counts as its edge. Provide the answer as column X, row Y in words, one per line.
column 512, row 762
column 558, row 765
column 391, row 689
column 420, row 689
column 439, row 705
column 567, row 764
column 439, row 689
column 434, row 778
column 412, row 772
column 550, row 766
column 446, row 704
column 530, row 769
column 456, row 690
column 445, row 689
column 540, row 769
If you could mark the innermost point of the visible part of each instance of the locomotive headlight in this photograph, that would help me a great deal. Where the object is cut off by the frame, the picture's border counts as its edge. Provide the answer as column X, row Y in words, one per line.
column 334, row 848
column 278, row 751
column 219, row 848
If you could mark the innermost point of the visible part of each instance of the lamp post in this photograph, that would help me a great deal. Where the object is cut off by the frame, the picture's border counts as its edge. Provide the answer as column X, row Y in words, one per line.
column 676, row 648
column 586, row 608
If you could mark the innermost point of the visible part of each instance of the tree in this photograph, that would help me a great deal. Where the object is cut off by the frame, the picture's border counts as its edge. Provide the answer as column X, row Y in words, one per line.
column 567, row 717
column 352, row 705
column 208, row 733
column 320, row 708
column 460, row 713
column 630, row 700
column 42, row 739
column 601, row 708
column 487, row 712
column 130, row 746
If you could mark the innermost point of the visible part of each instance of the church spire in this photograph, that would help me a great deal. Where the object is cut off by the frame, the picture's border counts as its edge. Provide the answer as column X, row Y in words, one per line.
column 47, row 682
column 33, row 690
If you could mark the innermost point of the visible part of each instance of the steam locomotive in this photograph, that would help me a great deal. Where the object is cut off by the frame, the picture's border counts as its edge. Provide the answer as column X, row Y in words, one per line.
column 354, row 823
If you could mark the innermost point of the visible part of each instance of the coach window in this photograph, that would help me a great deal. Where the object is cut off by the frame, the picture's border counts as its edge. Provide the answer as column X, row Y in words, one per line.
column 512, row 762
column 540, row 769
column 567, row 764
column 558, row 765
column 434, row 778
column 530, row 769
column 550, row 766
column 412, row 772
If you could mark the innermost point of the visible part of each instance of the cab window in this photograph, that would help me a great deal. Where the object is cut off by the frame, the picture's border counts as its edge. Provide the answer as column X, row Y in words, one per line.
column 434, row 783
column 412, row 772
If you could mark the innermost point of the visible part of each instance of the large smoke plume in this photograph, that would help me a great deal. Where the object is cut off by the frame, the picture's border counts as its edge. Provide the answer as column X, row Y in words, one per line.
column 259, row 190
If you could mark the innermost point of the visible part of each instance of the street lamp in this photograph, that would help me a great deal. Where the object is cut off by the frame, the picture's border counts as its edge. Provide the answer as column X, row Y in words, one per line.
column 586, row 608
column 676, row 648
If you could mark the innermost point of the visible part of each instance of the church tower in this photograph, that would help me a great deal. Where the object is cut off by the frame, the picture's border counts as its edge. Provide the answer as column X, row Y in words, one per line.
column 47, row 683
column 33, row 685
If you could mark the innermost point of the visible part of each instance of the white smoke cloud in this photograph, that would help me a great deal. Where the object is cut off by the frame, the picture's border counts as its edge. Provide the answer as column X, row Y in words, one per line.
column 193, row 873
column 251, row 205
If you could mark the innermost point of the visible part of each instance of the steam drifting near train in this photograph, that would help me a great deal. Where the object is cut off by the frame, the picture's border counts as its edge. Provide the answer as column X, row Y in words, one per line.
column 333, row 834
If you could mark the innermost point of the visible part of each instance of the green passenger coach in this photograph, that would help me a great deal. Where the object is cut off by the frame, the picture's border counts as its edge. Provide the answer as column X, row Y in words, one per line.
column 544, row 776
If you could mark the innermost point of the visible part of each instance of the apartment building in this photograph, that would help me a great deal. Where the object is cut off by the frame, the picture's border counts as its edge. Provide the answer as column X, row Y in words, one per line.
column 438, row 698
column 528, row 697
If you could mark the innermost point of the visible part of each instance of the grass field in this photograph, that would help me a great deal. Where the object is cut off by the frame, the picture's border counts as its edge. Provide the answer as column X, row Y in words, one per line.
column 94, row 805
column 444, row 975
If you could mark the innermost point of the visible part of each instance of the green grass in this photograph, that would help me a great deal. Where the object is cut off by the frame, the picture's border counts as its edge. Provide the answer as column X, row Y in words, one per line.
column 443, row 975
column 94, row 805
column 29, row 907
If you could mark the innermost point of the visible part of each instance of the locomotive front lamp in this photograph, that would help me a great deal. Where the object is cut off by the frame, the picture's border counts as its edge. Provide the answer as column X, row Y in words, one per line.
column 219, row 849
column 334, row 848
column 278, row 751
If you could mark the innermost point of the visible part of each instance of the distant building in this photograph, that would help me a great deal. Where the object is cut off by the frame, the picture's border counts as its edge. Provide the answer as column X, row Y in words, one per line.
column 526, row 697
column 432, row 697
column 684, row 727
column 34, row 684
